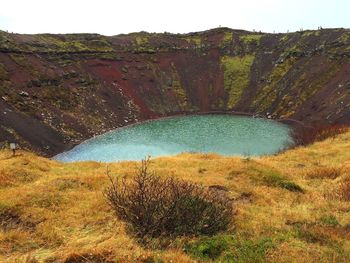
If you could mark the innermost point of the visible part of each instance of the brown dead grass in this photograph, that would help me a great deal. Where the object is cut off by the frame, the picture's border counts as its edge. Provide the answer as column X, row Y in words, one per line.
column 324, row 172
column 60, row 215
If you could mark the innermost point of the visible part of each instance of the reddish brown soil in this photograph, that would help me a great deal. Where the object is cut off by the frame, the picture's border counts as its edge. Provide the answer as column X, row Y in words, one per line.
column 57, row 90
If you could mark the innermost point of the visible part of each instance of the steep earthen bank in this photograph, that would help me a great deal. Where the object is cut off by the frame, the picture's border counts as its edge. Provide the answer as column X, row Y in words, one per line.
column 57, row 90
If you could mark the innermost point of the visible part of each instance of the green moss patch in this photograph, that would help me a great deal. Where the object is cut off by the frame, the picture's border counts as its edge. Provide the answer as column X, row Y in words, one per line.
column 276, row 180
column 227, row 39
column 273, row 178
column 236, row 76
column 251, row 39
column 230, row 248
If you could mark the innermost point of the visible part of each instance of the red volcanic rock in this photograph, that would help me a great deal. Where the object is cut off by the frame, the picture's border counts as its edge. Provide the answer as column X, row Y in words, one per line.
column 57, row 90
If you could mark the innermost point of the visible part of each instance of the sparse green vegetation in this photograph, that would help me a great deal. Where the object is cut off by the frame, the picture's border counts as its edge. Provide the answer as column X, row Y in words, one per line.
column 251, row 39
column 236, row 76
column 196, row 40
column 268, row 94
column 305, row 233
column 227, row 39
column 6, row 42
column 230, row 248
column 143, row 45
column 180, row 93
column 141, row 40
column 61, row 97
column 209, row 248
column 344, row 38
column 284, row 38
column 311, row 33
column 20, row 59
column 74, row 43
column 276, row 180
column 305, row 90
column 273, row 178
column 60, row 44
column 329, row 220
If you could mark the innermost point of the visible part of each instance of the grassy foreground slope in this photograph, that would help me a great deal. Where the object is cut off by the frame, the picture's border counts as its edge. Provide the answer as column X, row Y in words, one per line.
column 292, row 207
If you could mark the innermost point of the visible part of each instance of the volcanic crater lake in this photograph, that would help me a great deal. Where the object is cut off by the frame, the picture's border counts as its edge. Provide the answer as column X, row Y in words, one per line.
column 223, row 134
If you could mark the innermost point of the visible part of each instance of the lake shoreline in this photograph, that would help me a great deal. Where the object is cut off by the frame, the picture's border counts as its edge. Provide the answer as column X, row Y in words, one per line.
column 206, row 133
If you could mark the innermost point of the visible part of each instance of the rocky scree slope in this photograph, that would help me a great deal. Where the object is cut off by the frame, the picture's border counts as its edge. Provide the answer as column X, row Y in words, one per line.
column 57, row 90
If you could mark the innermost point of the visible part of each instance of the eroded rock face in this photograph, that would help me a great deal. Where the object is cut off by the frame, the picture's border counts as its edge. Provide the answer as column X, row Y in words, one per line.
column 56, row 90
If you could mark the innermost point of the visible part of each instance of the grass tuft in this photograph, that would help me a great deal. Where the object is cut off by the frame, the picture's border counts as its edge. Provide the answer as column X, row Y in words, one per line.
column 324, row 172
column 230, row 248
column 329, row 220
column 274, row 179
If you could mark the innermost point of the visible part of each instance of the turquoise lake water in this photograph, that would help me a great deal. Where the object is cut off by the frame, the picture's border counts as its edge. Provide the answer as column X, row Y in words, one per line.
column 223, row 134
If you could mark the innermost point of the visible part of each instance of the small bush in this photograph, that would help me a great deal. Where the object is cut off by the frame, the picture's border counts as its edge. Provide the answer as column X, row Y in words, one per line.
column 329, row 220
column 155, row 206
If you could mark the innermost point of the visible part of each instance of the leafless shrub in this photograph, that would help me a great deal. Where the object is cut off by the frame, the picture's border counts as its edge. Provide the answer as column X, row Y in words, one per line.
column 156, row 206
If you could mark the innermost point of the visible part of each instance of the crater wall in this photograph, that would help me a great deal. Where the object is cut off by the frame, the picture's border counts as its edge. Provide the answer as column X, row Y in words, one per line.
column 57, row 90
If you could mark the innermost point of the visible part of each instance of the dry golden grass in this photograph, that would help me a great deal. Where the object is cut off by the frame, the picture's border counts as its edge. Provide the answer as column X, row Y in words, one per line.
column 54, row 212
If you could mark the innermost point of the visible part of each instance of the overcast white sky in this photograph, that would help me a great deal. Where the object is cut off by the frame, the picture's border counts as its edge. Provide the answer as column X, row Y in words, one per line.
column 110, row 17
